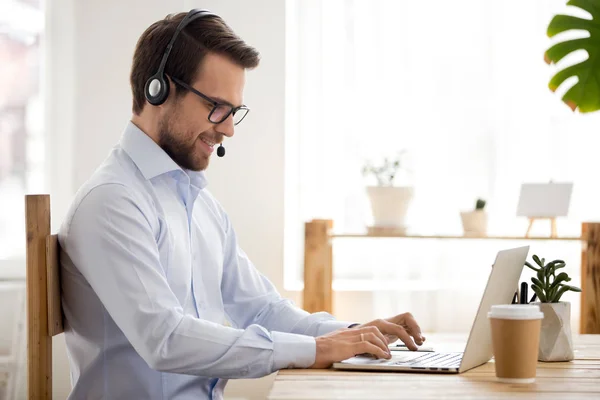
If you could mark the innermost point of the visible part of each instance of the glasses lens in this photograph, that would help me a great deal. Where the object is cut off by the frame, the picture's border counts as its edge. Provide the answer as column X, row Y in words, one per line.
column 219, row 113
column 239, row 115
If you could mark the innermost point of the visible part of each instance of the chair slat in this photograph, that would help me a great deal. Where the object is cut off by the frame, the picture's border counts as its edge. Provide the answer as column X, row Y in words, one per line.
column 39, row 343
column 55, row 315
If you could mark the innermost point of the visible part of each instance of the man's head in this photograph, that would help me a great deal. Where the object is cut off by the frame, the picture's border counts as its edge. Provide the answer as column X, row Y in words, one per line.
column 205, row 71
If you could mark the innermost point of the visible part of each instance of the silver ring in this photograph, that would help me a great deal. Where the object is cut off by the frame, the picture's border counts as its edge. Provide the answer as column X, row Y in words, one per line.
column 362, row 337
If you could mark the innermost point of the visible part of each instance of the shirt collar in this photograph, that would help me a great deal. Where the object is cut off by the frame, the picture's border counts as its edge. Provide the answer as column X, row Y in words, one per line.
column 151, row 159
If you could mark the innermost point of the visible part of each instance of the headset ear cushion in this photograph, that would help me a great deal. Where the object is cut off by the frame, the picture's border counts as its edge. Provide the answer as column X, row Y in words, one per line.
column 156, row 90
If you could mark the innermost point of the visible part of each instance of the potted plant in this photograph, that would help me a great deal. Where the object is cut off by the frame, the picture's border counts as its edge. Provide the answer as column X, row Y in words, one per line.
column 389, row 202
column 475, row 222
column 556, row 343
column 583, row 95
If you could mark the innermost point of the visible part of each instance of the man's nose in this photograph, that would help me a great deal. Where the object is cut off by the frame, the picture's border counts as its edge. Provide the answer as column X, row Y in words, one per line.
column 226, row 127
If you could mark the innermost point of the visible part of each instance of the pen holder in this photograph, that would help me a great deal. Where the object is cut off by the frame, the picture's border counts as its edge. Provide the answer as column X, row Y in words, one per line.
column 556, row 342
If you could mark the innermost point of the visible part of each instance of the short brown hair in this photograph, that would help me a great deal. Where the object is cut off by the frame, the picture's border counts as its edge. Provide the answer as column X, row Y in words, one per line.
column 207, row 34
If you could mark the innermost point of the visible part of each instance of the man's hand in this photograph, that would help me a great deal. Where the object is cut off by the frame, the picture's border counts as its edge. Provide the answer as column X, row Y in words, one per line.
column 345, row 343
column 403, row 327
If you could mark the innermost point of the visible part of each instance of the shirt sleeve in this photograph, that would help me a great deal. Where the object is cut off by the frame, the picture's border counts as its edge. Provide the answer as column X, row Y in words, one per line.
column 250, row 298
column 111, row 242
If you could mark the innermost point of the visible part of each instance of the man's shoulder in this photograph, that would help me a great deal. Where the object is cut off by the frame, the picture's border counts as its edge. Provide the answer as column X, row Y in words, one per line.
column 116, row 179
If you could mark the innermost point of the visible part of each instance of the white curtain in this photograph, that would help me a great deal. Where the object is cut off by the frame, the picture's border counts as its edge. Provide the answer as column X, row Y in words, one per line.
column 462, row 86
column 22, row 133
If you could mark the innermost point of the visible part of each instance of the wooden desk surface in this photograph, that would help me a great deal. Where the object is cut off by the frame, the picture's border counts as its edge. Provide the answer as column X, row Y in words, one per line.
column 577, row 379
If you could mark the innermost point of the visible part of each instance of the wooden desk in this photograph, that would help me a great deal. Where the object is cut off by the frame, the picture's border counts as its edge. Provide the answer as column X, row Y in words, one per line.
column 577, row 379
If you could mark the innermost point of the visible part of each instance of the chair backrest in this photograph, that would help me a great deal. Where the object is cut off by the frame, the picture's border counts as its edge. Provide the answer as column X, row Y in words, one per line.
column 44, row 311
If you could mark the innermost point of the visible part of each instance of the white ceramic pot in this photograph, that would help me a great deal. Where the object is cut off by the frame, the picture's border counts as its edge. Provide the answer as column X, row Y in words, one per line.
column 389, row 205
column 474, row 222
column 556, row 342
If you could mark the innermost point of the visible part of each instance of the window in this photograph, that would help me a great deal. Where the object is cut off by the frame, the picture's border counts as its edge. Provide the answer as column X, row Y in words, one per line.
column 21, row 118
column 462, row 86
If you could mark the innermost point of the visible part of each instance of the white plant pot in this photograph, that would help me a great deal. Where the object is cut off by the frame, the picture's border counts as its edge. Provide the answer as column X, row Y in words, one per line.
column 389, row 205
column 556, row 342
column 474, row 222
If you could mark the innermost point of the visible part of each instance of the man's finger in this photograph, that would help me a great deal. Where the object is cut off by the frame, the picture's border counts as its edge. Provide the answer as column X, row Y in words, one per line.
column 376, row 340
column 375, row 330
column 393, row 329
column 413, row 328
column 370, row 348
column 391, row 338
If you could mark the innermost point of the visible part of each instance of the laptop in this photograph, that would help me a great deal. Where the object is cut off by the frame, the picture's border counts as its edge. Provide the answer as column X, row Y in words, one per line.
column 500, row 289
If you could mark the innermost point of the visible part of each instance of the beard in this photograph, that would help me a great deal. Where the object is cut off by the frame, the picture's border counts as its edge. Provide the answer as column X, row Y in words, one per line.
column 181, row 146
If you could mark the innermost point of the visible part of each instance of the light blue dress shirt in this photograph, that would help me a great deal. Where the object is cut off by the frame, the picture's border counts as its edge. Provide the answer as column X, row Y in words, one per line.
column 160, row 301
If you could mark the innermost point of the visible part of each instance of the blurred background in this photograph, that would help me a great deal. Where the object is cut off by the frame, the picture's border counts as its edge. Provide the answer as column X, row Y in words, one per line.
column 460, row 87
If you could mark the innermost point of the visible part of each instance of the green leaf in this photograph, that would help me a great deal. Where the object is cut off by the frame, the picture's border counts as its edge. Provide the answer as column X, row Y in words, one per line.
column 531, row 266
column 539, row 292
column 560, row 278
column 540, row 275
column 557, row 264
column 548, row 270
column 556, row 297
column 573, row 288
column 552, row 292
column 537, row 260
column 585, row 94
column 537, row 282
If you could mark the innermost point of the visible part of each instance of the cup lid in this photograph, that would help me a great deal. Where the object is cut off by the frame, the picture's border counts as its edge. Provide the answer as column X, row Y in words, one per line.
column 515, row 311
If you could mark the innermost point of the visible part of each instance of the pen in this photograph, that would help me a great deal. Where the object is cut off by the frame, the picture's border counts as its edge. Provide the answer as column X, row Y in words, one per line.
column 524, row 287
column 533, row 298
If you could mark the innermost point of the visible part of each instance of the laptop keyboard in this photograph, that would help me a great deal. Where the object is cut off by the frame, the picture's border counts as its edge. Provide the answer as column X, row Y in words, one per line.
column 430, row 360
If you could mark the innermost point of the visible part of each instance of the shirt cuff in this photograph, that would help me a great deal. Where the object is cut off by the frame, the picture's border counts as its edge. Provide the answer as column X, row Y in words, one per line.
column 293, row 351
column 326, row 327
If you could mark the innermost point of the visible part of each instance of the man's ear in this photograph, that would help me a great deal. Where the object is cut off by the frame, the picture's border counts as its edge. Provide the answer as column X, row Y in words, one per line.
column 171, row 98
column 172, row 86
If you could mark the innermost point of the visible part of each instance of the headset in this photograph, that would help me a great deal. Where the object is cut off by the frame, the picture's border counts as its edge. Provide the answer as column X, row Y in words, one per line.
column 157, row 86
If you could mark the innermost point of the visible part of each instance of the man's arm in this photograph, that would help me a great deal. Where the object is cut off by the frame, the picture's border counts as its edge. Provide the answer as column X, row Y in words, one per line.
column 112, row 244
column 250, row 298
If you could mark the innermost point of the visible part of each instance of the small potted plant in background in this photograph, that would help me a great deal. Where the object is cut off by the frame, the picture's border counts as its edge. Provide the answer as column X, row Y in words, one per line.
column 475, row 222
column 556, row 342
column 389, row 202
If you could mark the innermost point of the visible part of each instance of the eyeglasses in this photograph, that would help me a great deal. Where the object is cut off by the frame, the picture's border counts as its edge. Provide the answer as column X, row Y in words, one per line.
column 220, row 111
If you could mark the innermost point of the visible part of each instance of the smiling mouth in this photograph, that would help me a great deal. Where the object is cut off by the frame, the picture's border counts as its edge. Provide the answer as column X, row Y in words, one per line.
column 208, row 142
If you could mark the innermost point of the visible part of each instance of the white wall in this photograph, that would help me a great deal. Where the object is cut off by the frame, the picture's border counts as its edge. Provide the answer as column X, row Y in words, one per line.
column 90, row 104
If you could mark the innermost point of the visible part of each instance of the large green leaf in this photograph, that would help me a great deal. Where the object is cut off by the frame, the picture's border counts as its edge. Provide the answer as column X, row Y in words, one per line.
column 585, row 94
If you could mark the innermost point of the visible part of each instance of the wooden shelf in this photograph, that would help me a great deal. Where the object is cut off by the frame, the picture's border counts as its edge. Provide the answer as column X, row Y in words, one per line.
column 318, row 265
column 411, row 236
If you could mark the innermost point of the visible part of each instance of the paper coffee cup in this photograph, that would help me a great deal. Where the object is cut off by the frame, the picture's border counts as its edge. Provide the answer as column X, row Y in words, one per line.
column 515, row 340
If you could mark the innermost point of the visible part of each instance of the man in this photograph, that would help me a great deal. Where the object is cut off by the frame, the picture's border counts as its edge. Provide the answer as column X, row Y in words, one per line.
column 160, row 301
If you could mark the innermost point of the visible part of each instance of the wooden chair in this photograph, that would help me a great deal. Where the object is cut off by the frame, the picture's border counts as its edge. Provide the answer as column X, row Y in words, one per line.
column 44, row 311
